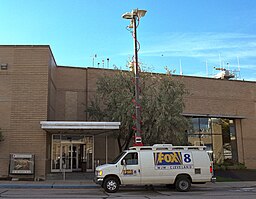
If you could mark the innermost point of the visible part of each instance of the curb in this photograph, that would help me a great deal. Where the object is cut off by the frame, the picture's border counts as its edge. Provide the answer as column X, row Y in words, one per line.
column 47, row 186
column 60, row 185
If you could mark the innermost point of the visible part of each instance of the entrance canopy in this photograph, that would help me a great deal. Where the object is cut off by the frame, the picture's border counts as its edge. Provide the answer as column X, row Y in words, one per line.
column 72, row 143
column 91, row 128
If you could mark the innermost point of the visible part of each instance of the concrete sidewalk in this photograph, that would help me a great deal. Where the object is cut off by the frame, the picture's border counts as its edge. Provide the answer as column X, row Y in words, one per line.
column 49, row 184
column 74, row 180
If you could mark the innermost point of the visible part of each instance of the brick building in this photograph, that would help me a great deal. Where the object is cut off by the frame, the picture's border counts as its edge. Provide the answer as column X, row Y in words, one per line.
column 43, row 121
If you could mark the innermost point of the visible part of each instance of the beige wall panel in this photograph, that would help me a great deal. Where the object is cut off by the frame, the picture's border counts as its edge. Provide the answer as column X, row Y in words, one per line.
column 60, row 105
column 71, row 93
column 93, row 76
column 249, row 153
column 71, row 106
column 240, row 141
column 100, row 148
column 113, row 149
column 81, row 106
column 52, row 90
column 69, row 78
column 51, row 100
column 249, row 140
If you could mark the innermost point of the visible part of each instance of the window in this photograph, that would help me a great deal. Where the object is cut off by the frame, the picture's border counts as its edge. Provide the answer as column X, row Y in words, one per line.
column 117, row 158
column 131, row 159
column 217, row 134
column 200, row 132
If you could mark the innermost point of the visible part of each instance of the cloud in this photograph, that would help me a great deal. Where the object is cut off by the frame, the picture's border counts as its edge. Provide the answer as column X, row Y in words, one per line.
column 249, row 66
column 195, row 49
column 201, row 45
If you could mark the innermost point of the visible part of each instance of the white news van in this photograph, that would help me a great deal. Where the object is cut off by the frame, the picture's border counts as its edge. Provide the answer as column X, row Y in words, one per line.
column 157, row 164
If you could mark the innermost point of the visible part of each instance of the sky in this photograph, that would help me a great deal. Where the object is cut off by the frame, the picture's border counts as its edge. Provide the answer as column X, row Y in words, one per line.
column 188, row 37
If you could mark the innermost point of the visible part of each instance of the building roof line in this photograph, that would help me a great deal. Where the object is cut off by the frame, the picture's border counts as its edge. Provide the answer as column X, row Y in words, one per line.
column 213, row 115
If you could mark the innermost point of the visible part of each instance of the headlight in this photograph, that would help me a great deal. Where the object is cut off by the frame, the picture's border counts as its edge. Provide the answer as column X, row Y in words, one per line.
column 99, row 173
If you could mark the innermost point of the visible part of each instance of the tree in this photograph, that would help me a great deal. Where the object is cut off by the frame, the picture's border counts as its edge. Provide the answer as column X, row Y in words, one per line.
column 162, row 111
column 161, row 102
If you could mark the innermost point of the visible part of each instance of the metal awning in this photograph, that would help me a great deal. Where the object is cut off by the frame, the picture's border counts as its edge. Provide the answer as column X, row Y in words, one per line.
column 213, row 115
column 92, row 128
column 87, row 128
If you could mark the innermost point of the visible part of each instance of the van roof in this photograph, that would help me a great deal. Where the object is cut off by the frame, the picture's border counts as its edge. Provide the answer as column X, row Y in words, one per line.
column 167, row 147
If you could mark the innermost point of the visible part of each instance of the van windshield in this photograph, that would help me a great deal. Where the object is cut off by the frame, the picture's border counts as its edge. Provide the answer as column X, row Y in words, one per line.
column 117, row 158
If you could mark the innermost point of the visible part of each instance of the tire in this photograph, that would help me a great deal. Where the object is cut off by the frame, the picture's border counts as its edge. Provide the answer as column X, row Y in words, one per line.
column 183, row 184
column 111, row 185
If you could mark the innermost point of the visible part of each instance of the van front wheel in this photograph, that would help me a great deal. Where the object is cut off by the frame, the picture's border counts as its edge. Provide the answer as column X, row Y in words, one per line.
column 111, row 185
column 183, row 184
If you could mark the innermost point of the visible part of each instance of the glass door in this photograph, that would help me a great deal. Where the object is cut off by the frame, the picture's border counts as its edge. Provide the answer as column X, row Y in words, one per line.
column 56, row 157
column 66, row 156
column 72, row 153
column 76, row 156
column 88, row 153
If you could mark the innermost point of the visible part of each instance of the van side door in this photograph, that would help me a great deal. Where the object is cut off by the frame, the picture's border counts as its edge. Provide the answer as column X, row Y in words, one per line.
column 148, row 173
column 130, row 169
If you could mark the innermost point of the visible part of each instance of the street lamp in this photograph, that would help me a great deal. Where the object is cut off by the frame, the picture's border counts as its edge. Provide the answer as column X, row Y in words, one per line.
column 135, row 16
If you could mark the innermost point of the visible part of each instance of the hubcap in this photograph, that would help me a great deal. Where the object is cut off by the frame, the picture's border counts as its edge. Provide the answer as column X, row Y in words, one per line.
column 111, row 185
column 183, row 185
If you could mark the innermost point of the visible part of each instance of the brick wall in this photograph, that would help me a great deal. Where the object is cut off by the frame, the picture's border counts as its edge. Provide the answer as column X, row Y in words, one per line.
column 23, row 104
column 34, row 89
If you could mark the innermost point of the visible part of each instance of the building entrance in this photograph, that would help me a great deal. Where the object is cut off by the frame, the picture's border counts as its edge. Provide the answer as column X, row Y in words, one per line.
column 72, row 153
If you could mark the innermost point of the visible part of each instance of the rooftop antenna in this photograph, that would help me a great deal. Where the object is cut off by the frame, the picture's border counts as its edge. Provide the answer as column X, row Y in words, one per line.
column 180, row 68
column 107, row 62
column 220, row 60
column 238, row 63
column 238, row 66
column 93, row 57
column 206, row 66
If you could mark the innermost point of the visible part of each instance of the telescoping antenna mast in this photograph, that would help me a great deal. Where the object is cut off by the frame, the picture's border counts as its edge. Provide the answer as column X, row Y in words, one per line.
column 135, row 16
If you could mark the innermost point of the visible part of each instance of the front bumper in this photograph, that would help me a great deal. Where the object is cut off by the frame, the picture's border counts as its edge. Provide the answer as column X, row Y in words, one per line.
column 98, row 180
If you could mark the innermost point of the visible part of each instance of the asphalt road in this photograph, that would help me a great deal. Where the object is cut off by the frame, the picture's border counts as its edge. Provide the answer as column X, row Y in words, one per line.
column 218, row 190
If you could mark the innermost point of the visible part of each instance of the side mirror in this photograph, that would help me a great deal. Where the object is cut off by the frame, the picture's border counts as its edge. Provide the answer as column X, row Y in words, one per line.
column 124, row 162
